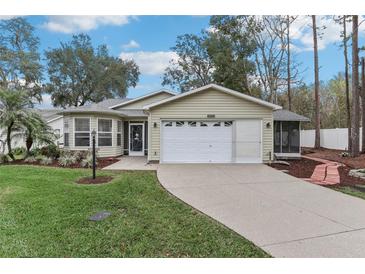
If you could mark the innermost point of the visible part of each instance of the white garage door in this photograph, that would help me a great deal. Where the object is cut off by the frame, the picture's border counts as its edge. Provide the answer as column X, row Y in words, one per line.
column 247, row 141
column 196, row 142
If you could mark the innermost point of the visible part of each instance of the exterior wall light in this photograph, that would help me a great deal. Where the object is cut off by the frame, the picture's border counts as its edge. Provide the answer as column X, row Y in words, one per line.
column 154, row 124
column 268, row 125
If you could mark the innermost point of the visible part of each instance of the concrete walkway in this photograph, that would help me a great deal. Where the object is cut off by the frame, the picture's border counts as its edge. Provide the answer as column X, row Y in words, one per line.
column 282, row 214
column 132, row 163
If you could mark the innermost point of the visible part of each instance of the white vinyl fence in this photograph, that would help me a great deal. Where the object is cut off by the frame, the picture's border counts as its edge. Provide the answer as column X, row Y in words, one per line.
column 335, row 138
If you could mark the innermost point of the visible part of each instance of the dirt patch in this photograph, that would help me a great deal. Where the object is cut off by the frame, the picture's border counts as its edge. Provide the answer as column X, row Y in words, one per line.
column 335, row 155
column 97, row 180
column 301, row 168
column 102, row 162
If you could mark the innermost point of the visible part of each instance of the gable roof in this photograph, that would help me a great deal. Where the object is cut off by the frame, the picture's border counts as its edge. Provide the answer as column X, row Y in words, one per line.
column 286, row 115
column 142, row 97
column 219, row 88
column 93, row 108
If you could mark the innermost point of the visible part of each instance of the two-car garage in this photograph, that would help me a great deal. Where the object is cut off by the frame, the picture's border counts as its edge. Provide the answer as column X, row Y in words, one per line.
column 219, row 141
column 211, row 124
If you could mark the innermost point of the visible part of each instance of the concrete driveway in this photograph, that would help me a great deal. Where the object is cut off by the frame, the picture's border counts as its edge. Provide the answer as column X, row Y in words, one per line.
column 282, row 214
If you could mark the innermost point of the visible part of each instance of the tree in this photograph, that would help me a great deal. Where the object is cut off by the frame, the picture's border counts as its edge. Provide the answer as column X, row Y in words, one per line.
column 14, row 113
column 355, row 117
column 79, row 73
column 288, row 59
column 317, row 143
column 20, row 66
column 342, row 20
column 363, row 103
column 220, row 56
column 36, row 130
column 193, row 68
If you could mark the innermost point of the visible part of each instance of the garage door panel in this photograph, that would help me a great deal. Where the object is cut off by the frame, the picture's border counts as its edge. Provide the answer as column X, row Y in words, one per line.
column 248, row 141
column 196, row 144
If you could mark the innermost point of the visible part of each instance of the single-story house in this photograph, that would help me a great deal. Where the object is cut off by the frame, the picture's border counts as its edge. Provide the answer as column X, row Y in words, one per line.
column 211, row 124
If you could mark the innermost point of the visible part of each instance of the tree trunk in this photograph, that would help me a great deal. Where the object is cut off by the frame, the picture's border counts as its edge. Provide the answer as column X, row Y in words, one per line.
column 348, row 106
column 317, row 143
column 8, row 140
column 355, row 121
column 288, row 63
column 363, row 104
column 28, row 143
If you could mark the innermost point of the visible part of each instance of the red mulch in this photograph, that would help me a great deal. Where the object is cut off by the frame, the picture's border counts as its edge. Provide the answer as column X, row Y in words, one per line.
column 97, row 180
column 335, row 155
column 346, row 179
column 101, row 163
column 301, row 168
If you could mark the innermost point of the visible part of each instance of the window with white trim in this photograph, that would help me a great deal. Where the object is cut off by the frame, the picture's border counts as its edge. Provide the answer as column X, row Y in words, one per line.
column 119, row 133
column 192, row 124
column 105, row 132
column 180, row 123
column 202, row 124
column 217, row 124
column 66, row 137
column 82, row 132
column 228, row 123
column 168, row 124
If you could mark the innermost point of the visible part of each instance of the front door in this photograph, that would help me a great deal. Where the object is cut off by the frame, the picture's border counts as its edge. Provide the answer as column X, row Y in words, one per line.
column 136, row 139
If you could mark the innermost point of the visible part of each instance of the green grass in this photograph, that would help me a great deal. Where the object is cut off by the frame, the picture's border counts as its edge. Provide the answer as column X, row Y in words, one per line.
column 351, row 191
column 43, row 213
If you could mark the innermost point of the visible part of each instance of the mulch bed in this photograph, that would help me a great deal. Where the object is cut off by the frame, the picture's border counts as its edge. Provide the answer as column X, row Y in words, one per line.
column 301, row 168
column 335, row 155
column 101, row 163
column 96, row 181
column 346, row 179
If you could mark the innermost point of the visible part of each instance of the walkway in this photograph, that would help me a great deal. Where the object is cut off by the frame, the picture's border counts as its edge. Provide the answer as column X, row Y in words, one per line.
column 325, row 173
column 132, row 163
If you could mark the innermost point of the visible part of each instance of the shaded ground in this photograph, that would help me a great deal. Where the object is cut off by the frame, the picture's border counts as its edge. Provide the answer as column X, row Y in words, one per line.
column 335, row 155
column 44, row 213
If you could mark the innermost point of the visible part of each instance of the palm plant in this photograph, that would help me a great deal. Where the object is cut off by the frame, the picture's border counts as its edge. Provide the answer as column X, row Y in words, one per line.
column 14, row 112
column 36, row 130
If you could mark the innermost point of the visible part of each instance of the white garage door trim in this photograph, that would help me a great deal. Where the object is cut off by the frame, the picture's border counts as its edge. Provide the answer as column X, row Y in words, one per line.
column 226, row 155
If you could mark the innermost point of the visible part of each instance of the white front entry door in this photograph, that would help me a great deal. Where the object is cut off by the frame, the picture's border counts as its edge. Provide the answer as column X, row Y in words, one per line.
column 136, row 139
column 196, row 142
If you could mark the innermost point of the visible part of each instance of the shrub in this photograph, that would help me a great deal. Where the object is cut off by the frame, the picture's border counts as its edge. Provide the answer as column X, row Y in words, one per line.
column 19, row 150
column 35, row 152
column 81, row 154
column 46, row 161
column 67, row 160
column 88, row 161
column 51, row 151
column 30, row 159
column 4, row 158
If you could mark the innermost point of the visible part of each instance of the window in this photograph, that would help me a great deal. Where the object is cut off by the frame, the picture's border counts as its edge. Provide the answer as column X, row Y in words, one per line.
column 202, row 124
column 82, row 132
column 192, row 124
column 168, row 124
column 180, row 123
column 66, row 140
column 119, row 133
column 66, row 137
column 104, row 132
column 217, row 124
column 228, row 123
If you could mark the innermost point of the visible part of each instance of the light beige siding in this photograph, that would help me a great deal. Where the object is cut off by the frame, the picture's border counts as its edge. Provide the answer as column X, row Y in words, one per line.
column 113, row 150
column 198, row 106
column 143, row 102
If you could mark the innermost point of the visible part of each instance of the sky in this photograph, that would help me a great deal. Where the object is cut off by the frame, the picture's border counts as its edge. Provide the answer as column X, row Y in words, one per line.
column 148, row 40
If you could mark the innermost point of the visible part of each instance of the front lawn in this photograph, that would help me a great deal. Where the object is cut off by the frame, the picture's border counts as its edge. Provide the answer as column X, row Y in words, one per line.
column 43, row 213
